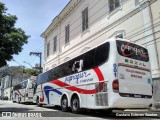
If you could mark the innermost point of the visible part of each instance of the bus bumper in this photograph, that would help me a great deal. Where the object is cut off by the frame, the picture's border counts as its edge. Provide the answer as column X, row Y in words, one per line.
column 126, row 102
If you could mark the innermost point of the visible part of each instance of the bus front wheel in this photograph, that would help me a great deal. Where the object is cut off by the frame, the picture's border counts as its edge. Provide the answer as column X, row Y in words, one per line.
column 19, row 100
column 64, row 104
column 75, row 106
column 37, row 102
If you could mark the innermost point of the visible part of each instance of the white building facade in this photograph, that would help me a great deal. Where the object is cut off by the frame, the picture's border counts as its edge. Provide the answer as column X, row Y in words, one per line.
column 83, row 24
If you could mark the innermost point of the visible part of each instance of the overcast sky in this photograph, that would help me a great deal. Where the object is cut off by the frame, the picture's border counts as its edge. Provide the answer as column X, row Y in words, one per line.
column 34, row 16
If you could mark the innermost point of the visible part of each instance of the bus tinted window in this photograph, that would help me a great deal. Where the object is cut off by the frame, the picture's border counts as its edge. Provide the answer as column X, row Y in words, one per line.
column 102, row 54
column 42, row 78
column 77, row 64
column 133, row 51
column 18, row 86
column 89, row 59
column 24, row 84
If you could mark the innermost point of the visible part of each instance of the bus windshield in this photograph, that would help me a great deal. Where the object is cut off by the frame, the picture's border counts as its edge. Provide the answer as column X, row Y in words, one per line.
column 133, row 51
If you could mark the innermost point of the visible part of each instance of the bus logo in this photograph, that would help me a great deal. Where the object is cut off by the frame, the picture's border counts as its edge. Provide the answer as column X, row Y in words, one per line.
column 128, row 50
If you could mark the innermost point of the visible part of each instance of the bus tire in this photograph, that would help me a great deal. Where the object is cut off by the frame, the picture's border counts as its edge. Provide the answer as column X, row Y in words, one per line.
column 64, row 104
column 75, row 105
column 19, row 100
column 37, row 102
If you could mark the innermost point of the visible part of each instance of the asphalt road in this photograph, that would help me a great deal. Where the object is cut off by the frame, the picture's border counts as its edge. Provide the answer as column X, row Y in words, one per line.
column 52, row 113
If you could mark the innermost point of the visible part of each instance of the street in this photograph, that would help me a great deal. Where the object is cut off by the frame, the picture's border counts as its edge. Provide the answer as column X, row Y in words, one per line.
column 55, row 113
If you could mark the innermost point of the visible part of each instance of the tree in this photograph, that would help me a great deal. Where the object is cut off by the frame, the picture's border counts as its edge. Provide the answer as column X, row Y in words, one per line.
column 30, row 71
column 11, row 38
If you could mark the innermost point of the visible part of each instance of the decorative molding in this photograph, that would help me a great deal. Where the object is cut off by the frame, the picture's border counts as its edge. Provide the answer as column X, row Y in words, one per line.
column 85, row 49
column 66, row 59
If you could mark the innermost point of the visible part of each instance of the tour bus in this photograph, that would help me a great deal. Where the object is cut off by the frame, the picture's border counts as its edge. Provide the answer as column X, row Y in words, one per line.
column 23, row 91
column 113, row 75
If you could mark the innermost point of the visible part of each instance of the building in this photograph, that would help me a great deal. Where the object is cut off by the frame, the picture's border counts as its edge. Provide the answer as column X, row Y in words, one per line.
column 9, row 81
column 6, row 87
column 82, row 24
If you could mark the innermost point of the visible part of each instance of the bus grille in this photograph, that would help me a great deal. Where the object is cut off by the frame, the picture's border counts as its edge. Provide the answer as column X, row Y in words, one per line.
column 102, row 99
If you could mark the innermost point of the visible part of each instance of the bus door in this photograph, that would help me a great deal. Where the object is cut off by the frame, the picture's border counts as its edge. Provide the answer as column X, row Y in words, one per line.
column 134, row 76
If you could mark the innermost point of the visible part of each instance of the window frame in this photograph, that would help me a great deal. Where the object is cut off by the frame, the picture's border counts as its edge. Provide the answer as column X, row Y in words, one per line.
column 55, row 44
column 67, row 34
column 85, row 19
column 114, row 5
column 48, row 49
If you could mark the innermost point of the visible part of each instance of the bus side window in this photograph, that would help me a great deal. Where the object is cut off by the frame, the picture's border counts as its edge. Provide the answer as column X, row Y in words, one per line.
column 89, row 60
column 51, row 75
column 77, row 64
column 102, row 54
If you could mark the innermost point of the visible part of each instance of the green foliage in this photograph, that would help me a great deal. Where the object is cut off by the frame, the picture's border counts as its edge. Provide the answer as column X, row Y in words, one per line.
column 30, row 71
column 11, row 39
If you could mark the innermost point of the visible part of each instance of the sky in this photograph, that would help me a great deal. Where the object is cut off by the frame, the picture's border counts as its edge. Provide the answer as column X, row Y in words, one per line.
column 34, row 16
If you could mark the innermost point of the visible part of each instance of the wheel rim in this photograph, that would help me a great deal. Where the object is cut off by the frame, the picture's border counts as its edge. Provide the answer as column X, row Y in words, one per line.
column 64, row 103
column 75, row 104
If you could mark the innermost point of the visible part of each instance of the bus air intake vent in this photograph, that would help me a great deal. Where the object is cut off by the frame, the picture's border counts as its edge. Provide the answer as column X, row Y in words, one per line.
column 102, row 99
column 101, row 87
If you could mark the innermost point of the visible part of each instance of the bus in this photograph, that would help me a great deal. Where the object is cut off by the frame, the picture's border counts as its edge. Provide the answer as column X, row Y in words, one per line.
column 113, row 75
column 23, row 91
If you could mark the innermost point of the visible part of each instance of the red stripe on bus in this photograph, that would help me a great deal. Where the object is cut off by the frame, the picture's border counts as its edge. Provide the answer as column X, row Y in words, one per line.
column 73, row 88
column 42, row 99
column 99, row 74
column 101, row 79
column 79, row 90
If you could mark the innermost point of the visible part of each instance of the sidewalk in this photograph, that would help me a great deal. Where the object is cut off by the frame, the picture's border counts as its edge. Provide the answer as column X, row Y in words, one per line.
column 156, row 106
column 5, row 101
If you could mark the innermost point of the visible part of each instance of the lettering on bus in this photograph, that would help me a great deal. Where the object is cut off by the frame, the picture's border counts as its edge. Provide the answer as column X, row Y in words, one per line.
column 134, row 71
column 133, row 50
column 136, row 76
column 76, row 77
column 115, row 69
column 135, row 62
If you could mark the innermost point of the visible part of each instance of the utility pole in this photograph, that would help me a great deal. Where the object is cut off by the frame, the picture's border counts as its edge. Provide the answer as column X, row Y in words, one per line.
column 39, row 54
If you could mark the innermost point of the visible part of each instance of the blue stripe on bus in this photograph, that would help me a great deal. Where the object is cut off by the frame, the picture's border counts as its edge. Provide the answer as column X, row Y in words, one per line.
column 47, row 89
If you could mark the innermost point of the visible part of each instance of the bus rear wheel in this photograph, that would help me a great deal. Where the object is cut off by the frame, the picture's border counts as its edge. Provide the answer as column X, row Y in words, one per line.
column 75, row 106
column 37, row 102
column 64, row 104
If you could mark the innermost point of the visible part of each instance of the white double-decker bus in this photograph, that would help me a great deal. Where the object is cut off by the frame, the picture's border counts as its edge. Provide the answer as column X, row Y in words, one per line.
column 115, row 74
column 23, row 91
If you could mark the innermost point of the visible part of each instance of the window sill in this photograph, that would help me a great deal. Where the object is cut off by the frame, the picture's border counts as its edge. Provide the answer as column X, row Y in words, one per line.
column 66, row 44
column 84, row 32
column 114, row 11
column 55, row 52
